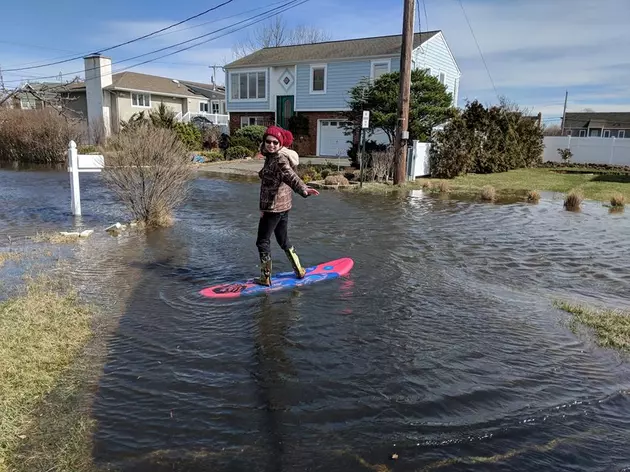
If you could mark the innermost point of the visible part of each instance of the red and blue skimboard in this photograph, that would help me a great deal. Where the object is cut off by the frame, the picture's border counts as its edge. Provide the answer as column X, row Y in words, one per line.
column 325, row 271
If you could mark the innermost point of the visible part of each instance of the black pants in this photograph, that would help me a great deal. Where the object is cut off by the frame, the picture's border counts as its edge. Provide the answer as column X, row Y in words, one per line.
column 273, row 223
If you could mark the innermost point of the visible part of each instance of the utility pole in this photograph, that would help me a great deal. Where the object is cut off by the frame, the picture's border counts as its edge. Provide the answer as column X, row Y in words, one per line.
column 214, row 76
column 564, row 112
column 402, row 130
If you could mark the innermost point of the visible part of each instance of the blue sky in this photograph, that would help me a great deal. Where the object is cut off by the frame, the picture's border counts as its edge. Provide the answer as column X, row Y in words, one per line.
column 534, row 49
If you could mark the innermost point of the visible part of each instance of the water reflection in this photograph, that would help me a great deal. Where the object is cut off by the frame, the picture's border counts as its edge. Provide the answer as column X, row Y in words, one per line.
column 441, row 346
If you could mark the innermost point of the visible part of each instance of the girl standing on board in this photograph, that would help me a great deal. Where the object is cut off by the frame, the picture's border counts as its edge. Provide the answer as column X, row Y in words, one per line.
column 278, row 182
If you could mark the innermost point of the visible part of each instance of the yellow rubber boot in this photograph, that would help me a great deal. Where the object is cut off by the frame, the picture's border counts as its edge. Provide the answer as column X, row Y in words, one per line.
column 300, row 272
column 265, row 271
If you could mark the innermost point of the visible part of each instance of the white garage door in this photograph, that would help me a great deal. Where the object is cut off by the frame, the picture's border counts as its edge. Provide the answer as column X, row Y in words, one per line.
column 332, row 141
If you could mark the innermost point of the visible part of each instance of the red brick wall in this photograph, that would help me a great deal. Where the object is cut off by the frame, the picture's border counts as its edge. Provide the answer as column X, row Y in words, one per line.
column 235, row 118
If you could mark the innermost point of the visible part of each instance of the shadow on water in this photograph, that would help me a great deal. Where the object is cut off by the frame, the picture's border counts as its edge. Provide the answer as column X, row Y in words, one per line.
column 442, row 346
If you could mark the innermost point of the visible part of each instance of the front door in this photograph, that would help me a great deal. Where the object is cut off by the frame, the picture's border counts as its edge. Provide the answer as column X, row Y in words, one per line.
column 284, row 110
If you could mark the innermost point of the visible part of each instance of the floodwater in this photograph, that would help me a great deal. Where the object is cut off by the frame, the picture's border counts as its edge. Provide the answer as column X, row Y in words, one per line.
column 442, row 346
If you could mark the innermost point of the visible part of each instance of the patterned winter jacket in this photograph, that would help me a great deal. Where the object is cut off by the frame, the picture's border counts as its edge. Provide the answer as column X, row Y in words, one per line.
column 278, row 182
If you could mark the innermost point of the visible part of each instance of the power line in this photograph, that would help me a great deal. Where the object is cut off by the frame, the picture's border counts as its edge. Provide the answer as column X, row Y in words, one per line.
column 479, row 48
column 126, row 42
column 426, row 18
column 270, row 13
column 155, row 36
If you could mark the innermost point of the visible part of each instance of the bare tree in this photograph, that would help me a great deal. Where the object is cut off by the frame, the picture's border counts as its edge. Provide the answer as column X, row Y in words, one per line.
column 552, row 130
column 276, row 33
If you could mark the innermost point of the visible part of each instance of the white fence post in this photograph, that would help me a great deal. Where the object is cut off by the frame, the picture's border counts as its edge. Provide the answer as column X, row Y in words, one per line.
column 73, row 162
column 80, row 163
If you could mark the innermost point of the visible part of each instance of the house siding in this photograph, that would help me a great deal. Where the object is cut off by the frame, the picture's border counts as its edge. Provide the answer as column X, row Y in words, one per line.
column 125, row 109
column 247, row 105
column 340, row 78
column 434, row 54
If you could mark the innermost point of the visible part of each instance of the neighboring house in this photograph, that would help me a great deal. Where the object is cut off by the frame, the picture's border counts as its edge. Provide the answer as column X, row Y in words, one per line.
column 272, row 84
column 596, row 124
column 106, row 99
column 39, row 95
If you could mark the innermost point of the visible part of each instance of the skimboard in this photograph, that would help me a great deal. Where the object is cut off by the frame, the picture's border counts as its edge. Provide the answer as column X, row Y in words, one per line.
column 283, row 280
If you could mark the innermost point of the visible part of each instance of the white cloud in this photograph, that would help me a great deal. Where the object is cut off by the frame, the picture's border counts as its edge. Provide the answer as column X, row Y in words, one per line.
column 534, row 49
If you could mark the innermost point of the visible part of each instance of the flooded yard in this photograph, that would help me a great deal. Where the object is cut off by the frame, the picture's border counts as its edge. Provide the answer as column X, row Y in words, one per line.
column 442, row 346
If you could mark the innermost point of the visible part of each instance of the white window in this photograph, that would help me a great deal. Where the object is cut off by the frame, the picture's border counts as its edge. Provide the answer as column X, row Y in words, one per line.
column 248, row 85
column 252, row 120
column 215, row 107
column 442, row 77
column 607, row 133
column 622, row 133
column 582, row 133
column 203, row 107
column 27, row 104
column 142, row 100
column 379, row 68
column 318, row 78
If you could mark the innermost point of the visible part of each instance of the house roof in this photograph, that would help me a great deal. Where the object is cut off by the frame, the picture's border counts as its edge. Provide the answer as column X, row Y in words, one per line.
column 344, row 49
column 156, row 84
column 597, row 120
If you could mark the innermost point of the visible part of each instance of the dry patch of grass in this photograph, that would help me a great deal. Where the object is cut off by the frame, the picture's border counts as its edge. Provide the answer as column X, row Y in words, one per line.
column 617, row 200
column 42, row 329
column 573, row 200
column 611, row 327
column 55, row 238
column 488, row 193
column 533, row 196
column 9, row 256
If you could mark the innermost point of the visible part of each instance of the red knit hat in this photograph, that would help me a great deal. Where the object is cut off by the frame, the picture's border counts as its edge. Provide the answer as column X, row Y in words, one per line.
column 288, row 137
column 276, row 132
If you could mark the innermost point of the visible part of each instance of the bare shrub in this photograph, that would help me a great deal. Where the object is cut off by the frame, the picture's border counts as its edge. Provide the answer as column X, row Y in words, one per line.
column 488, row 193
column 573, row 200
column 533, row 196
column 36, row 136
column 617, row 200
column 336, row 180
column 427, row 185
column 443, row 186
column 148, row 168
column 382, row 163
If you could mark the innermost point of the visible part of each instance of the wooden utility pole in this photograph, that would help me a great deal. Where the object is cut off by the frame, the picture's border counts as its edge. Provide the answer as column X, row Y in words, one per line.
column 564, row 112
column 402, row 130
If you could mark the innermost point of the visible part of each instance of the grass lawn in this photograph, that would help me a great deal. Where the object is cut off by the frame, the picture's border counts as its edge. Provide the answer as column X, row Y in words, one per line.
column 42, row 329
column 610, row 327
column 594, row 186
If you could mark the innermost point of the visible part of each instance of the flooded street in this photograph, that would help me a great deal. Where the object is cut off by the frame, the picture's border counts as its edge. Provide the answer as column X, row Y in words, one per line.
column 442, row 346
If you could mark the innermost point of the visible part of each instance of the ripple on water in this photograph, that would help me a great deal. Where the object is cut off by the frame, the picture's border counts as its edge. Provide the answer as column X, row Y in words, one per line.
column 442, row 345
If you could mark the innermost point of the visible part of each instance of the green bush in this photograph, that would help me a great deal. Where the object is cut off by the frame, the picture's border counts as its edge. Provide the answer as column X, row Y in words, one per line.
column 253, row 133
column 88, row 149
column 212, row 156
column 190, row 135
column 240, row 141
column 308, row 172
column 238, row 152
column 483, row 141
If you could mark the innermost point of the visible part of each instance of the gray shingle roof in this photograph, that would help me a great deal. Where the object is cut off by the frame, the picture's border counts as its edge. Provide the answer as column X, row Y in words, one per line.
column 345, row 49
column 597, row 119
column 154, row 83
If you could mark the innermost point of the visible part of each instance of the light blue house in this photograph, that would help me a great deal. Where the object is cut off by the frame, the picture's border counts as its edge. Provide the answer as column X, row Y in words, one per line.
column 272, row 84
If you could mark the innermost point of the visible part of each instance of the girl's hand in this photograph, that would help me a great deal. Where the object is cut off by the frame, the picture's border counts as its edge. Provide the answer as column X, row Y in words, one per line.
column 312, row 191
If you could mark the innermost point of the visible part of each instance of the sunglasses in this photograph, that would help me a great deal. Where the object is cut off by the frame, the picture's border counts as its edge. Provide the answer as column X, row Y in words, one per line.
column 270, row 141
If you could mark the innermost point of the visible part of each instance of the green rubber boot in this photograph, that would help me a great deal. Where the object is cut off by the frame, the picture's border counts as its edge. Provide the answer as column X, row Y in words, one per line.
column 265, row 271
column 300, row 272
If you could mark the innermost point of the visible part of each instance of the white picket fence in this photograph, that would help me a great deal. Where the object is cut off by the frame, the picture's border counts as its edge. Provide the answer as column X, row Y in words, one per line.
column 591, row 150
